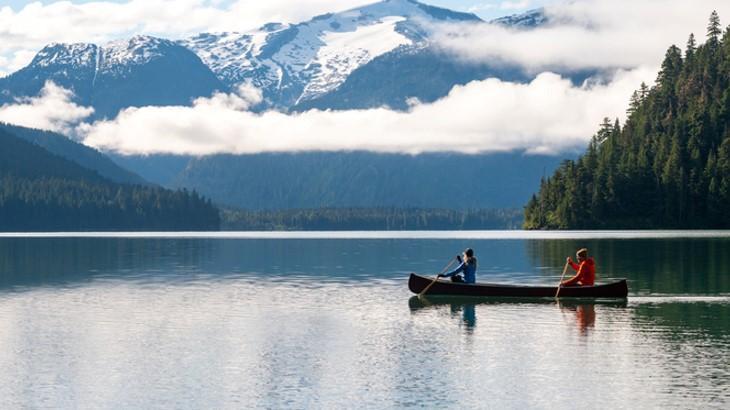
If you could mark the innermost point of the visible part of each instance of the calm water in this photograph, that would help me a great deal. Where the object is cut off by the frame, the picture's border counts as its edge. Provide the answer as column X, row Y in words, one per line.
column 326, row 321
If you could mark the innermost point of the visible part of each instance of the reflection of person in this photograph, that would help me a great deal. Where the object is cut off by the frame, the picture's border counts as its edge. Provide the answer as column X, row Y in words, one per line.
column 468, row 314
column 585, row 315
column 585, row 270
column 468, row 266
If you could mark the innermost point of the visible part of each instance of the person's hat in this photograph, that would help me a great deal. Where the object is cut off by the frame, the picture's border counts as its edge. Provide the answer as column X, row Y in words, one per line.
column 582, row 252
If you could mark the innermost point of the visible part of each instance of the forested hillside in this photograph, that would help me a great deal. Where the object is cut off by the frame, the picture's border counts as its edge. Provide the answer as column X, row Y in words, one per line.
column 668, row 166
column 73, row 151
column 366, row 180
column 40, row 191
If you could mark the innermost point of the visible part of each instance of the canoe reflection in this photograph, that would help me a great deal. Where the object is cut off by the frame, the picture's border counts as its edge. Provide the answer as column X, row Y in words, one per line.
column 583, row 308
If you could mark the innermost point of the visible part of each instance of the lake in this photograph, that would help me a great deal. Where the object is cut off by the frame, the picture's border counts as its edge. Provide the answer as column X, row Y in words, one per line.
column 325, row 320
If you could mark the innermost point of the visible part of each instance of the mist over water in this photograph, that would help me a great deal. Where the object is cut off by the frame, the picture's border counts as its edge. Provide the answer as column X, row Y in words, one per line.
column 153, row 322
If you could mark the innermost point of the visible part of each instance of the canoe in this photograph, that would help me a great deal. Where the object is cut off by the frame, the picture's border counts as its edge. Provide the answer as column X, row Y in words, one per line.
column 616, row 289
column 417, row 303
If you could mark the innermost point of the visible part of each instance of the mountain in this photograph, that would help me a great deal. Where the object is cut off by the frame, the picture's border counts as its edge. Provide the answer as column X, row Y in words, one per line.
column 85, row 156
column 363, row 179
column 372, row 56
column 137, row 72
column 301, row 62
column 377, row 55
column 21, row 159
column 40, row 191
column 527, row 20
column 667, row 167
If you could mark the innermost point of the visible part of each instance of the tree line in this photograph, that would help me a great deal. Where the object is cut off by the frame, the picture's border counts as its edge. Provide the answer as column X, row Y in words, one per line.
column 370, row 219
column 668, row 166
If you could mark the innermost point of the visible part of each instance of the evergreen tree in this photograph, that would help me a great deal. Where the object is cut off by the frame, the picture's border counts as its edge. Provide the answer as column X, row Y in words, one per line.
column 667, row 167
column 713, row 29
column 691, row 46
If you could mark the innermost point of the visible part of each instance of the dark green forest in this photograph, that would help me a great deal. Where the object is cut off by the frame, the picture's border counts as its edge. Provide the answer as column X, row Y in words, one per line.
column 40, row 191
column 386, row 219
column 65, row 147
column 668, row 166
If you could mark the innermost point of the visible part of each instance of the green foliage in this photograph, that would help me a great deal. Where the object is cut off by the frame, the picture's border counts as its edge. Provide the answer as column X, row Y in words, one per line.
column 40, row 191
column 370, row 219
column 667, row 167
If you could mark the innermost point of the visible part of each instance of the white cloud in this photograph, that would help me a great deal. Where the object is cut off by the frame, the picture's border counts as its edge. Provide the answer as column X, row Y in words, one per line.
column 616, row 33
column 29, row 29
column 515, row 5
column 547, row 115
column 53, row 109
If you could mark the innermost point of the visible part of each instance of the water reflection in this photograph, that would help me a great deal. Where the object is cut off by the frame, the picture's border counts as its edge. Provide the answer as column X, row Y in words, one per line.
column 585, row 316
column 678, row 266
column 459, row 307
column 180, row 323
column 688, row 266
column 582, row 310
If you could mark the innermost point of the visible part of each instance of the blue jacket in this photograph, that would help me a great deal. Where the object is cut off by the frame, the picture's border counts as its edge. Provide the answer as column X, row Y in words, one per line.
column 470, row 271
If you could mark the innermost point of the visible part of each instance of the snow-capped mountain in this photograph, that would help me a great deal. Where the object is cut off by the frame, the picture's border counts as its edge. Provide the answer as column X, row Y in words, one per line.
column 371, row 56
column 140, row 71
column 300, row 62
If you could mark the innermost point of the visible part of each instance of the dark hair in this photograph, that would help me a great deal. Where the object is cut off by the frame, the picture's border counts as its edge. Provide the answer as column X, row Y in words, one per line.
column 470, row 259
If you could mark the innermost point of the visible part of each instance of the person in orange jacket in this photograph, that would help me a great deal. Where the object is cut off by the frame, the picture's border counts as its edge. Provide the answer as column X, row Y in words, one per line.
column 585, row 270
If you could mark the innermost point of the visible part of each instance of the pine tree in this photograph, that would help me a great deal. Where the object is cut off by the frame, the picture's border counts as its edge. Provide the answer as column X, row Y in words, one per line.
column 691, row 46
column 713, row 29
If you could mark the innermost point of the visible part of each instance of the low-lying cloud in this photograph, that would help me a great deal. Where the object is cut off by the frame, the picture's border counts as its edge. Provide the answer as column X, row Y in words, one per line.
column 547, row 115
column 53, row 109
column 586, row 34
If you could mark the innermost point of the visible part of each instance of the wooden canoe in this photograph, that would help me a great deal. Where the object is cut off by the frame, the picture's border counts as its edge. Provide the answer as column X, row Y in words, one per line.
column 616, row 289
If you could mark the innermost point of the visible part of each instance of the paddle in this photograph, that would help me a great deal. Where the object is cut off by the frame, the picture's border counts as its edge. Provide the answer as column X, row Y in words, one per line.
column 561, row 279
column 437, row 277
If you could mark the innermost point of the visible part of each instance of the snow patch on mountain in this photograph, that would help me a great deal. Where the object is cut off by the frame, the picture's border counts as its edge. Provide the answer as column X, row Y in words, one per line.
column 137, row 50
column 343, row 52
column 294, row 63
column 73, row 55
column 111, row 57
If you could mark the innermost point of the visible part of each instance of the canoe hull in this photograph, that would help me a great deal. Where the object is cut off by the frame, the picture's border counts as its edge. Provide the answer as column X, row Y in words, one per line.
column 416, row 283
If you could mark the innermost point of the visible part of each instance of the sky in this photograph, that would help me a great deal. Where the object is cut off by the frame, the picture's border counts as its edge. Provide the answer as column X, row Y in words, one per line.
column 484, row 8
column 626, row 39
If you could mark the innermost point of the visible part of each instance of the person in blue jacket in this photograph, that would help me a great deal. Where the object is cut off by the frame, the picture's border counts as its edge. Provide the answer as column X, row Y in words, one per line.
column 468, row 266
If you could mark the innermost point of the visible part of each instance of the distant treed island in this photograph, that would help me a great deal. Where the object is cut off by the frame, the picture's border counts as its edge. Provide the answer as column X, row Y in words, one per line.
column 387, row 219
column 40, row 191
column 668, row 166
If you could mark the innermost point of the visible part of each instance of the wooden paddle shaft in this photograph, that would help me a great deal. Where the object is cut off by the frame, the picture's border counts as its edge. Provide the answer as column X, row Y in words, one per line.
column 451, row 262
column 565, row 269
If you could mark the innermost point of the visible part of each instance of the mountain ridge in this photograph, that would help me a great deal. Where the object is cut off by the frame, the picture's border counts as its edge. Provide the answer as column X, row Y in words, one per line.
column 294, row 65
column 140, row 71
